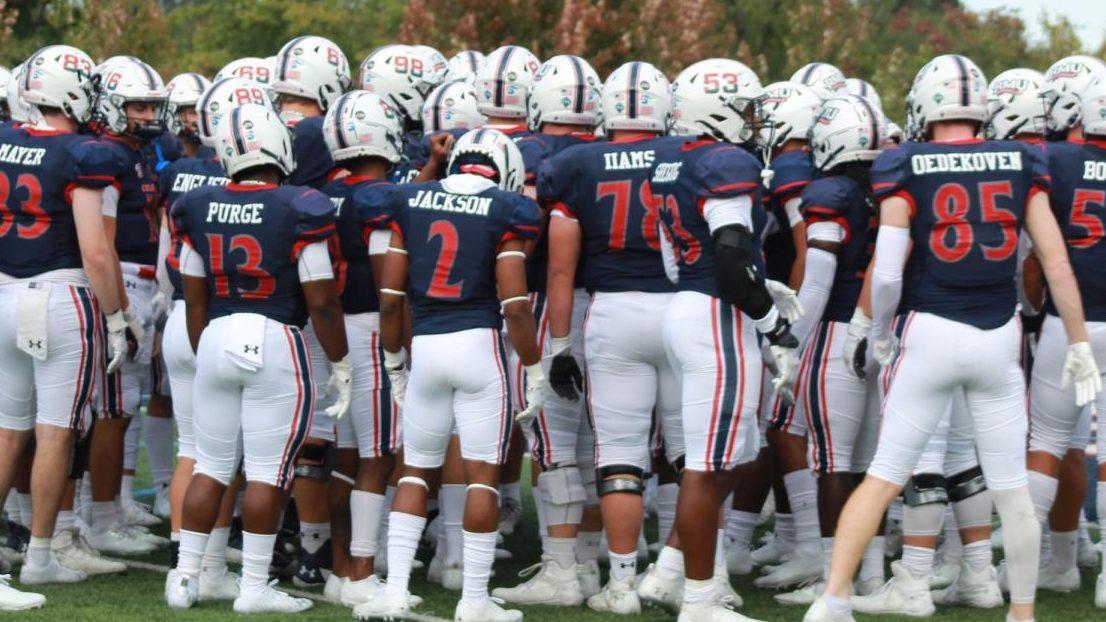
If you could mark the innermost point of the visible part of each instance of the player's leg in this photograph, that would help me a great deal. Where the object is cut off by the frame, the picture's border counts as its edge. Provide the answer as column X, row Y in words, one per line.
column 158, row 429
column 591, row 522
column 1100, row 504
column 135, row 380
column 180, row 367
column 1061, row 574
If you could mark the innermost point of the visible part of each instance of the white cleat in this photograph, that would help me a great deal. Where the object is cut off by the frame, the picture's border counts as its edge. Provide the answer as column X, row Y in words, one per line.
column 944, row 574
column 739, row 560
column 135, row 513
column 215, row 585
column 73, row 551
column 901, row 595
column 864, row 587
column 657, row 591
column 718, row 609
column 769, row 553
column 142, row 534
column 52, row 572
column 550, row 585
column 181, row 592
column 354, row 593
column 1100, row 591
column 118, row 542
column 270, row 600
column 487, row 610
column 1087, row 556
column 799, row 570
column 332, row 589
column 1062, row 581
column 161, row 503
column 453, row 576
column 972, row 589
column 434, row 570
column 724, row 589
column 820, row 612
column 510, row 513
column 388, row 605
column 12, row 599
column 802, row 596
column 619, row 596
column 588, row 573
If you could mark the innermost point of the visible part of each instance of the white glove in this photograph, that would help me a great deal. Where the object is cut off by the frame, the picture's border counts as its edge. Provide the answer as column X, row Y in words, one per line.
column 397, row 375
column 535, row 394
column 117, row 340
column 787, row 372
column 1081, row 371
column 340, row 385
column 857, row 334
column 134, row 323
column 786, row 301
column 767, row 357
column 885, row 350
column 159, row 307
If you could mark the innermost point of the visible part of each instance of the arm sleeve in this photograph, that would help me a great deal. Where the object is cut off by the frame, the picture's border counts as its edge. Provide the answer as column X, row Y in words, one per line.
column 729, row 211
column 791, row 209
column 815, row 291
column 164, row 245
column 378, row 241
column 314, row 263
column 191, row 263
column 892, row 244
column 110, row 205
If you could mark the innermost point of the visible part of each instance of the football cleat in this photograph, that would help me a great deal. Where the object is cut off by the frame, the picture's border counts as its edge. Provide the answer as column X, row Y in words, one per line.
column 12, row 599
column 771, row 552
column 725, row 589
column 135, row 513
column 589, row 578
column 453, row 576
column 1054, row 580
column 971, row 588
column 619, row 596
column 658, row 591
column 142, row 534
column 313, row 568
column 161, row 503
column 118, row 542
column 739, row 560
column 864, row 587
column 332, row 589
column 219, row 585
column 549, row 584
column 181, row 592
column 510, row 513
column 354, row 593
column 820, row 612
column 52, row 572
column 487, row 610
column 1100, row 591
column 901, row 595
column 944, row 574
column 270, row 600
column 388, row 605
column 718, row 609
column 72, row 551
column 799, row 570
column 803, row 596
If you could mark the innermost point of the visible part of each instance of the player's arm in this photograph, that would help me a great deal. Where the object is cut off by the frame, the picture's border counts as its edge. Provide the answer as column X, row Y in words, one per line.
column 321, row 296
column 194, row 284
column 892, row 249
column 799, row 238
column 564, row 254
column 109, row 208
column 97, row 254
column 434, row 169
column 1048, row 244
column 510, row 277
column 817, row 282
column 393, row 293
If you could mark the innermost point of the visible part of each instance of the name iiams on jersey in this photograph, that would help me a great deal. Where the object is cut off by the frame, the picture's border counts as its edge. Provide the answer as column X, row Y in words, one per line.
column 446, row 202
column 184, row 182
column 235, row 213
column 923, row 164
column 27, row 156
column 628, row 160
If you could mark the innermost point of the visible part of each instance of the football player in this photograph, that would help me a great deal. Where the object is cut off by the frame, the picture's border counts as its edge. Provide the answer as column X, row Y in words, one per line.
column 255, row 267
column 457, row 248
column 955, row 205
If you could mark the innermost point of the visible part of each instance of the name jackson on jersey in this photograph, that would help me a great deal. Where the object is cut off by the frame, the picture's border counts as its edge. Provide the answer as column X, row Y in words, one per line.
column 446, row 202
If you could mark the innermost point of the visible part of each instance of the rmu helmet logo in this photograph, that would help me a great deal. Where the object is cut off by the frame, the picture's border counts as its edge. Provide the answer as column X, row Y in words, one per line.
column 827, row 115
column 1067, row 71
column 1011, row 86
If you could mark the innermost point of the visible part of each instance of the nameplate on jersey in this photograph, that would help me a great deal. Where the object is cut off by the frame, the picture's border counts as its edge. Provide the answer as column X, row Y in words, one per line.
column 184, row 182
column 667, row 172
column 32, row 307
column 27, row 156
column 927, row 163
column 235, row 213
column 244, row 341
column 446, row 202
column 628, row 160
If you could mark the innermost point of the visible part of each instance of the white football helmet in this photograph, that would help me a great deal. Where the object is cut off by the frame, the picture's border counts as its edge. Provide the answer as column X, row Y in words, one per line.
column 825, row 79
column 949, row 87
column 18, row 110
column 399, row 74
column 1093, row 104
column 451, row 106
column 222, row 97
column 848, row 129
column 566, row 90
column 895, row 134
column 863, row 88
column 463, row 65
column 56, row 76
column 184, row 91
column 1016, row 105
column 312, row 68
column 435, row 63
column 1064, row 82
column 637, row 97
column 789, row 110
column 253, row 135
column 362, row 124
column 503, row 82
column 719, row 97
column 261, row 70
column 484, row 147
column 131, row 80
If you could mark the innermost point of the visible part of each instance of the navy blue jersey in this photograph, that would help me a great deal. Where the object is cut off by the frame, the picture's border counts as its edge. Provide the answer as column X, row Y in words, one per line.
column 685, row 175
column 250, row 237
column 314, row 165
column 843, row 201
column 1078, row 198
column 38, row 171
column 356, row 286
column 136, row 216
column 968, row 200
column 605, row 187
column 181, row 176
column 452, row 241
column 791, row 172
column 164, row 150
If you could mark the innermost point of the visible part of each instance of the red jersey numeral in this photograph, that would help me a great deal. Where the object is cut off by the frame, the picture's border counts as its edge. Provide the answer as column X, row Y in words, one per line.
column 1090, row 223
column 440, row 287
column 249, row 266
column 621, row 192
column 687, row 246
column 32, row 205
column 952, row 236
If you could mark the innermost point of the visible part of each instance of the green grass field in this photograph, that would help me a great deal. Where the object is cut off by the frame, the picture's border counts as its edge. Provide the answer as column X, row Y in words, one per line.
column 136, row 596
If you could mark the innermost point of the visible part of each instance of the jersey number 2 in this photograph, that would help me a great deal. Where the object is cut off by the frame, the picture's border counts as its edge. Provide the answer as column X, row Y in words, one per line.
column 440, row 287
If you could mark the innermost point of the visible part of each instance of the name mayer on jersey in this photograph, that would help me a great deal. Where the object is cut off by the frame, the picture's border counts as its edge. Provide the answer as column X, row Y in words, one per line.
column 27, row 156
column 925, row 163
column 446, row 202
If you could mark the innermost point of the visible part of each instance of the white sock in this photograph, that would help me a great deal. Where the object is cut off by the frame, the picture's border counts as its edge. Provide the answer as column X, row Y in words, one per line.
column 740, row 527
column 130, row 445
column 103, row 516
column 479, row 555
column 257, row 555
column 1021, row 541
column 539, row 509
column 126, row 488
column 1100, row 507
column 389, row 498
column 670, row 563
column 85, row 497
column 1042, row 490
column 11, row 507
column 190, row 554
column 562, row 551
column 215, row 552
column 977, row 555
column 666, row 510
column 1065, row 545
column 952, row 547
column 720, row 548
column 365, row 510
column 511, row 491
column 802, row 494
column 404, row 531
column 587, row 546
column 623, row 565
column 837, row 605
column 174, row 536
column 698, row 591
column 159, row 448
column 917, row 560
column 871, row 566
column 785, row 532
column 26, row 508
column 313, row 535
column 827, row 552
column 451, row 506
column 38, row 552
column 66, row 520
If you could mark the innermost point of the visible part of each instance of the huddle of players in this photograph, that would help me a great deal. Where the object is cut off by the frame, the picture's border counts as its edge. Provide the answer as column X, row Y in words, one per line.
column 635, row 281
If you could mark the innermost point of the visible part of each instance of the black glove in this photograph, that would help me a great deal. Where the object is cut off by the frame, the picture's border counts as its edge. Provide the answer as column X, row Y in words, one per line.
column 860, row 359
column 565, row 376
column 781, row 336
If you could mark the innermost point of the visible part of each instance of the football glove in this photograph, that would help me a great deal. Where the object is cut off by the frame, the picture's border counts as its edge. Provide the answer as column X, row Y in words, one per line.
column 885, row 350
column 340, row 386
column 783, row 347
column 565, row 376
column 1081, row 371
column 786, row 301
column 535, row 394
column 397, row 375
column 856, row 343
column 135, row 328
column 117, row 340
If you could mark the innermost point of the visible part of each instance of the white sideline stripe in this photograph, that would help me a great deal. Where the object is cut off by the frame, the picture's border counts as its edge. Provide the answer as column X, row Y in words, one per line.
column 130, row 563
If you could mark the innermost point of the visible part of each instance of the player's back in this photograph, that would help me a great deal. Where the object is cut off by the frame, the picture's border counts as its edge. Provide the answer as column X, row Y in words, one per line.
column 356, row 287
column 968, row 200
column 180, row 177
column 790, row 172
column 1078, row 198
column 313, row 162
column 842, row 200
column 136, row 212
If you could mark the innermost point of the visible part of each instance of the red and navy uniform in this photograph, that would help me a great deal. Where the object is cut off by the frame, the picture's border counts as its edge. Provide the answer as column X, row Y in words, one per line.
column 419, row 154
column 791, row 172
column 136, row 217
column 414, row 157
column 250, row 237
column 314, row 166
column 452, row 241
column 1078, row 198
column 38, row 171
column 605, row 187
column 164, row 150
column 968, row 201
column 180, row 177
column 841, row 200
column 356, row 286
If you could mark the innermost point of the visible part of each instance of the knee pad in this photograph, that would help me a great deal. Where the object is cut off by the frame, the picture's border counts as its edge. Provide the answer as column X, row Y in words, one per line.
column 312, row 463
column 924, row 489
column 414, row 481
column 971, row 501
column 491, row 489
column 965, row 484
column 342, row 477
column 563, row 496
column 621, row 478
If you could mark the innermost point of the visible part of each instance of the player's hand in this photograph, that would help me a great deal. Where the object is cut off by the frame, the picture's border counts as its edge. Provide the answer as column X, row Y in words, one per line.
column 564, row 373
column 440, row 146
column 341, row 386
column 397, row 375
column 117, row 340
column 855, row 349
column 135, row 331
column 535, row 394
column 783, row 350
column 786, row 301
column 885, row 350
column 159, row 307
column 1081, row 371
